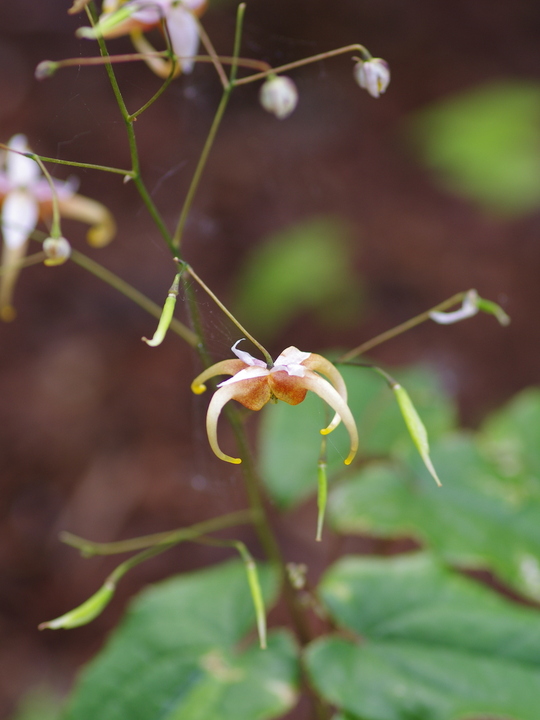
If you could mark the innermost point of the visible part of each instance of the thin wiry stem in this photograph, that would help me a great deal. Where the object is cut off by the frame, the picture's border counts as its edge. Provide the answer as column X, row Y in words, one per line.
column 305, row 61
column 228, row 88
column 403, row 327
column 89, row 548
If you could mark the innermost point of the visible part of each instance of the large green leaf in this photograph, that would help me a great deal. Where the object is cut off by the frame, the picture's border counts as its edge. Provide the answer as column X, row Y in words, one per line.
column 174, row 656
column 307, row 267
column 290, row 441
column 478, row 519
column 485, row 144
column 430, row 645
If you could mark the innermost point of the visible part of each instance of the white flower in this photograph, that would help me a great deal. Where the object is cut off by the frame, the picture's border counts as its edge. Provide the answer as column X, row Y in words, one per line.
column 135, row 17
column 279, row 96
column 25, row 197
column 254, row 383
column 372, row 75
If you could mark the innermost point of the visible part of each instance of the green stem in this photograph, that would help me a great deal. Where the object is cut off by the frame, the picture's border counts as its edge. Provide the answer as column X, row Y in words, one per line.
column 305, row 61
column 263, row 527
column 132, row 142
column 132, row 57
column 156, row 95
column 227, row 312
column 133, row 294
column 399, row 329
column 228, row 88
column 192, row 532
column 26, row 262
column 87, row 166
column 56, row 231
column 178, row 233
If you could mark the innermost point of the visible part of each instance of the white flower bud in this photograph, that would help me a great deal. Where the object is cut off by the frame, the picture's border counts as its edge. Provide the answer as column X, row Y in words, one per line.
column 279, row 96
column 372, row 75
column 57, row 250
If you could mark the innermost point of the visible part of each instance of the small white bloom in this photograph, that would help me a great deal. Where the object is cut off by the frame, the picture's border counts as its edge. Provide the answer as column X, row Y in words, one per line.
column 57, row 250
column 372, row 75
column 25, row 197
column 279, row 96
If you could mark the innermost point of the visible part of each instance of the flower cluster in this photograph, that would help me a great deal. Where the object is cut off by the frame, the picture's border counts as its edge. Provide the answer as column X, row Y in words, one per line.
column 25, row 197
column 136, row 17
column 254, row 383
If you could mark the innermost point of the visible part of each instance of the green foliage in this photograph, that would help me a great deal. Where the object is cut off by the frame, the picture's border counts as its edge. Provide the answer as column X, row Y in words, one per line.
column 485, row 144
column 41, row 703
column 487, row 513
column 289, row 438
column 429, row 644
column 303, row 268
column 175, row 656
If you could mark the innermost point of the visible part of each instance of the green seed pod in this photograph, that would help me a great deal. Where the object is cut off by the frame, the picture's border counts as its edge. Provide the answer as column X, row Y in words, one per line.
column 86, row 612
column 166, row 315
column 415, row 427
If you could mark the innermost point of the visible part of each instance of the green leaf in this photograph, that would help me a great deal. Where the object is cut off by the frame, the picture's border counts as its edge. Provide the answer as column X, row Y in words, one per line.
column 510, row 437
column 431, row 644
column 290, row 441
column 485, row 145
column 303, row 268
column 478, row 519
column 174, row 656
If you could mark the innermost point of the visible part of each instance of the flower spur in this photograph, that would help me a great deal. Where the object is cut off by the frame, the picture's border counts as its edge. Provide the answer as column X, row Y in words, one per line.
column 254, row 383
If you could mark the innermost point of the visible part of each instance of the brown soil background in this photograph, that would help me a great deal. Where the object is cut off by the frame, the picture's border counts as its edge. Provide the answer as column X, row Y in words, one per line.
column 99, row 434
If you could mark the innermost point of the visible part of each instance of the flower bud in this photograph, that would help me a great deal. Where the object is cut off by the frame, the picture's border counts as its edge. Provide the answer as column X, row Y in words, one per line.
column 45, row 69
column 372, row 75
column 279, row 96
column 57, row 250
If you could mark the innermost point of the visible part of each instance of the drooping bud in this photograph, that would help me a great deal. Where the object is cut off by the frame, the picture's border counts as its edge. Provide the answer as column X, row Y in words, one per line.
column 45, row 69
column 57, row 250
column 372, row 75
column 279, row 96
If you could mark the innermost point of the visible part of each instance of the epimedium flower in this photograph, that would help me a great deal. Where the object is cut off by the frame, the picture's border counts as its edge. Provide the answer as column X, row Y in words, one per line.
column 135, row 17
column 26, row 196
column 254, row 383
column 373, row 75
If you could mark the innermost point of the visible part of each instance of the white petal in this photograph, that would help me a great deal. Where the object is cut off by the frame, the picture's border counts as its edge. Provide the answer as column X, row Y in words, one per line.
column 5, row 185
column 20, row 214
column 292, row 356
column 193, row 5
column 246, row 357
column 247, row 374
column 21, row 171
column 184, row 35
column 467, row 310
column 295, row 370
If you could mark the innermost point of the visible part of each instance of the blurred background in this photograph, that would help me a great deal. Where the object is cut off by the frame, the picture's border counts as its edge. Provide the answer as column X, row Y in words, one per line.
column 320, row 231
